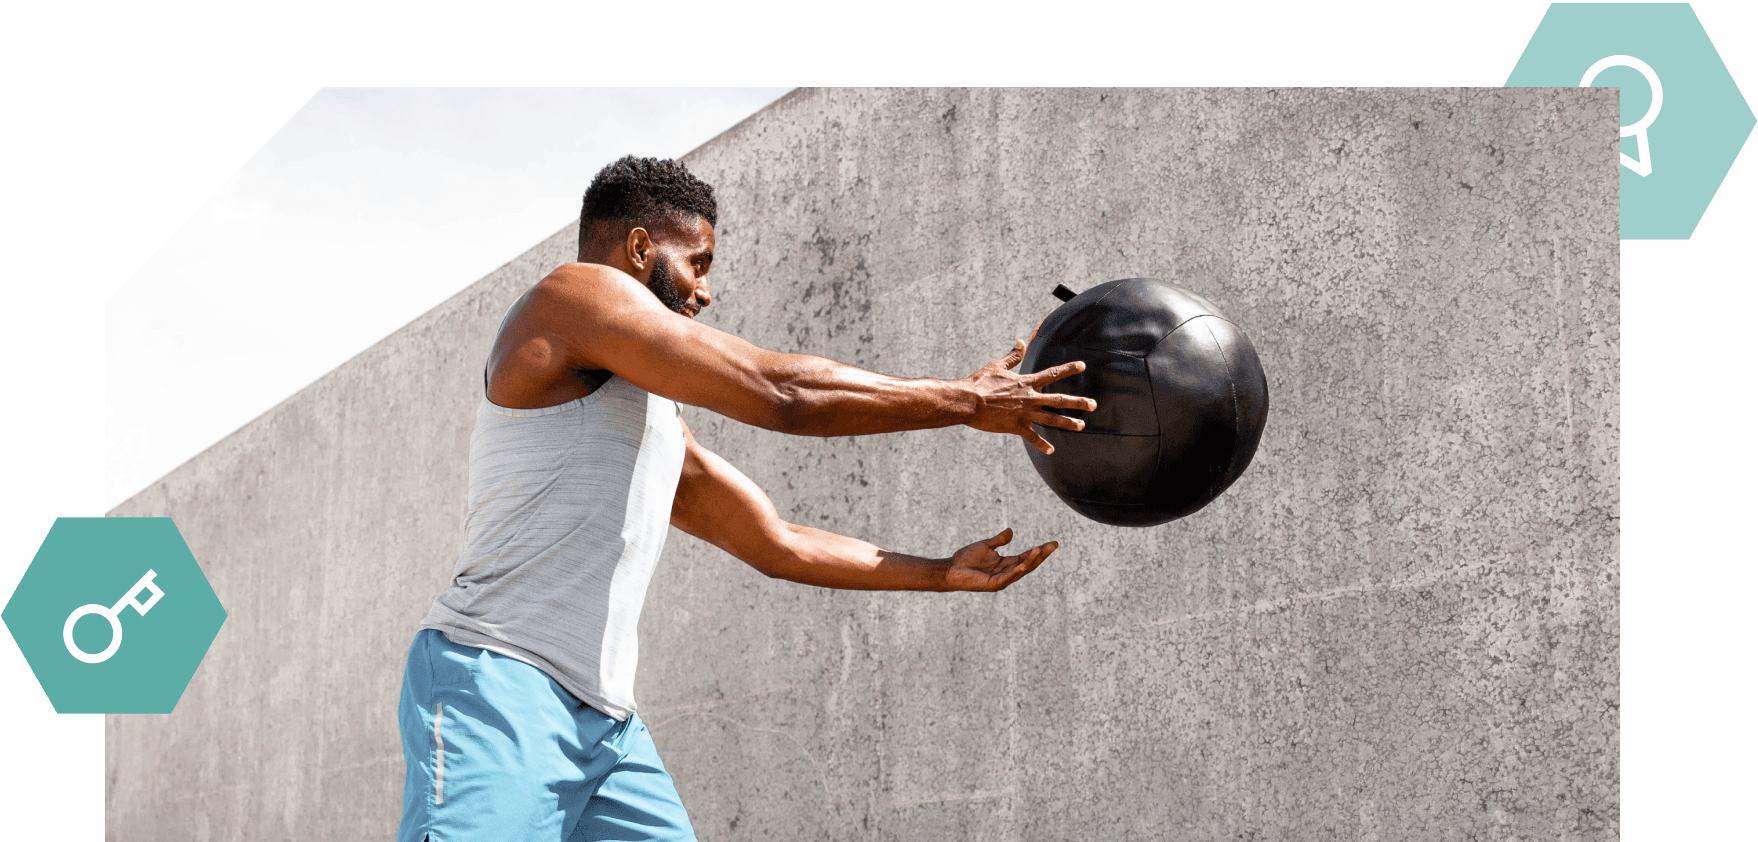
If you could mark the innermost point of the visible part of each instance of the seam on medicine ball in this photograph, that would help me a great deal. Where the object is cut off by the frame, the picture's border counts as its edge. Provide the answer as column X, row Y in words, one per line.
column 1056, row 324
column 1233, row 390
column 1154, row 400
column 1175, row 330
column 1215, row 488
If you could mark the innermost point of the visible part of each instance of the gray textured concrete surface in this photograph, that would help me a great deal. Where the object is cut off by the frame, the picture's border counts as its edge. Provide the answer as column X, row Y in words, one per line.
column 1400, row 624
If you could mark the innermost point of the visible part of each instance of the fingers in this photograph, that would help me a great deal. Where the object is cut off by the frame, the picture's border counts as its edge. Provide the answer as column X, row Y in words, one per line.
column 1013, row 357
column 1062, row 401
column 1051, row 419
column 1056, row 372
column 1027, row 562
column 995, row 571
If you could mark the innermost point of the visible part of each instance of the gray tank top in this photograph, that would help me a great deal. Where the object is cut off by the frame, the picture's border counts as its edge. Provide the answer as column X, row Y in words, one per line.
column 569, row 507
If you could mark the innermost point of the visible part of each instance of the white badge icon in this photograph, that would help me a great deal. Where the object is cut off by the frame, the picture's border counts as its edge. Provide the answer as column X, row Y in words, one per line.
column 1643, row 163
column 113, row 614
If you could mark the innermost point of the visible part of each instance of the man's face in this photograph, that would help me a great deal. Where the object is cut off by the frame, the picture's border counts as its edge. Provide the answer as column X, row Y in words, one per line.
column 684, row 252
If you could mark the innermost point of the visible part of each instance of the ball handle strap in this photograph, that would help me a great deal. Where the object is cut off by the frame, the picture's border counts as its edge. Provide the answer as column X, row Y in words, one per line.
column 1062, row 292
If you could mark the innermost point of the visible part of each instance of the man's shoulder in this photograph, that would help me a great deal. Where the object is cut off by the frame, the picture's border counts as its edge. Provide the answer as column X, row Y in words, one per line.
column 544, row 351
column 581, row 289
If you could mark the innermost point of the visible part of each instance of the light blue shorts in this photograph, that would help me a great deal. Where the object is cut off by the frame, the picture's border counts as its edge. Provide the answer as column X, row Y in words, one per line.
column 496, row 750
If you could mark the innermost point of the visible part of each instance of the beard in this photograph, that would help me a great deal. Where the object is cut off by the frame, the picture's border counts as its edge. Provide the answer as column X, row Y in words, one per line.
column 662, row 285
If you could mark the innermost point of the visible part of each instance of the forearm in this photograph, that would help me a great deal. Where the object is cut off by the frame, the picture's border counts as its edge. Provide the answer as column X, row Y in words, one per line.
column 828, row 560
column 821, row 397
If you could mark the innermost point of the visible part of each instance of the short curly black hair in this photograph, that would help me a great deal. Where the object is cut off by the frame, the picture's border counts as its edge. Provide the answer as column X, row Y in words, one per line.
column 642, row 192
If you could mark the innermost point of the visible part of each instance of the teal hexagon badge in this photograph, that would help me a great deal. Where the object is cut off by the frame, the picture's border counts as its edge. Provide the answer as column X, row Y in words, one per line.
column 113, row 615
column 1682, row 118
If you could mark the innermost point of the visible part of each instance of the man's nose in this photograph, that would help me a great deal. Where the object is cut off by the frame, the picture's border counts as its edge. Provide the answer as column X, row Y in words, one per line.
column 704, row 296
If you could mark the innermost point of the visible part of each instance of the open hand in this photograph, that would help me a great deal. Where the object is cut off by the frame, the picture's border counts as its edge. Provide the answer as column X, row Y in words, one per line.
column 1012, row 403
column 979, row 568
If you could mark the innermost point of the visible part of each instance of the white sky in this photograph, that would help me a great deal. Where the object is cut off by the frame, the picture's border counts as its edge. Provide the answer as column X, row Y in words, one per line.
column 366, row 209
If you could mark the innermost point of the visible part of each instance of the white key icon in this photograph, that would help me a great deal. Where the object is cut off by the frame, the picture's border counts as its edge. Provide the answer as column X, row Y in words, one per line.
column 114, row 615
column 1643, row 163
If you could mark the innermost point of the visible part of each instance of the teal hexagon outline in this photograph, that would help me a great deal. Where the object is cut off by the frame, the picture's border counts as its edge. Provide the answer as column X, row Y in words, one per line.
column 100, row 562
column 1674, row 43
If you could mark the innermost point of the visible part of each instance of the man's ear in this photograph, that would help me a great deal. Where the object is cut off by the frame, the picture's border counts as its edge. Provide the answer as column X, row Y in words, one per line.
column 638, row 248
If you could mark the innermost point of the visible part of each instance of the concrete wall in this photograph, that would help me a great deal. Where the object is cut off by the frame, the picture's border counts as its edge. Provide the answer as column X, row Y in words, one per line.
column 1400, row 624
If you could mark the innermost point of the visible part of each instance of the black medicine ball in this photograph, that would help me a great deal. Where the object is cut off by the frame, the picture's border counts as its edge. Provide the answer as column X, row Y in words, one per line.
column 1182, row 400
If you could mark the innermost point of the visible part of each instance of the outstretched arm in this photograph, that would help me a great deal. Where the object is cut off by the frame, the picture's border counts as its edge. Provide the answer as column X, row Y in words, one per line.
column 587, row 316
column 720, row 505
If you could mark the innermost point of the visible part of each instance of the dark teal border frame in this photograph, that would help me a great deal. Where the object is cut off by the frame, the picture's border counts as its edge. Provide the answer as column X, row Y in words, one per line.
column 122, row 122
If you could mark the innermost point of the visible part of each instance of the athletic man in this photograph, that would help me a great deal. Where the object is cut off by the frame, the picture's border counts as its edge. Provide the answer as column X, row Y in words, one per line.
column 517, row 710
